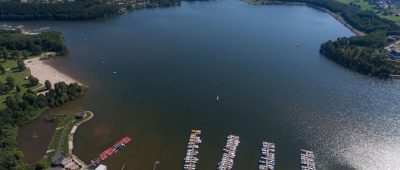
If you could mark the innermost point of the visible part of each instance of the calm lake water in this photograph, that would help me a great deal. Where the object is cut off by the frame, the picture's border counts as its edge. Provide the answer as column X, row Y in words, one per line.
column 171, row 63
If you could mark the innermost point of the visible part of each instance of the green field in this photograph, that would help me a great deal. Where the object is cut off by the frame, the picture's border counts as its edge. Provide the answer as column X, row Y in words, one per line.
column 364, row 5
column 19, row 77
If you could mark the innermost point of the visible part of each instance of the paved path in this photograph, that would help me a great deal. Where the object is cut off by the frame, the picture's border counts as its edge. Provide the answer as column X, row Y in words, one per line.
column 71, row 137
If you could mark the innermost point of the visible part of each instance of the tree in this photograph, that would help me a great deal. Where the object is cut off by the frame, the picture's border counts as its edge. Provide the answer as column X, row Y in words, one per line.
column 21, row 65
column 25, row 54
column 33, row 81
column 3, row 88
column 4, row 53
column 18, row 88
column 42, row 164
column 47, row 84
column 16, row 54
column 2, row 69
column 10, row 83
column 36, row 50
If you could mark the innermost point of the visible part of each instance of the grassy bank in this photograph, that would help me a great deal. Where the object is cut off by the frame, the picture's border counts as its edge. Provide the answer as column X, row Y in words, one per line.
column 364, row 5
column 59, row 141
column 20, row 101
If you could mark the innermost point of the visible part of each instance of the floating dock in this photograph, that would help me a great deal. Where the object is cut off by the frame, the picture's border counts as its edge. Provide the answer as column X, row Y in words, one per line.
column 232, row 143
column 111, row 151
column 267, row 157
column 307, row 160
column 192, row 150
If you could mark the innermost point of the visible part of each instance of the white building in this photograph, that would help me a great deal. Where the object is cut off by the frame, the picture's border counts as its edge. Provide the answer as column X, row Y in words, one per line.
column 101, row 167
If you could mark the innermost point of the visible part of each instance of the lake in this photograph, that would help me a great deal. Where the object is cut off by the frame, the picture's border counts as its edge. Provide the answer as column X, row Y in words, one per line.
column 171, row 63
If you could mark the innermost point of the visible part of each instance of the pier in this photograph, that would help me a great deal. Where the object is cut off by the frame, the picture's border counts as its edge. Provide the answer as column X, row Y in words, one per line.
column 110, row 151
column 267, row 157
column 307, row 160
column 232, row 143
column 192, row 150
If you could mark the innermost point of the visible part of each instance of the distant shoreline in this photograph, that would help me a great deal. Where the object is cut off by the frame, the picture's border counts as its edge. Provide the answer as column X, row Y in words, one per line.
column 334, row 15
column 43, row 71
column 340, row 19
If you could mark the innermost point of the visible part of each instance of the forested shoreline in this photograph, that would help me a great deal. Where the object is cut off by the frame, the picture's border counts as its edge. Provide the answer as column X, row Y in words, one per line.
column 364, row 54
column 73, row 10
column 80, row 10
column 22, row 101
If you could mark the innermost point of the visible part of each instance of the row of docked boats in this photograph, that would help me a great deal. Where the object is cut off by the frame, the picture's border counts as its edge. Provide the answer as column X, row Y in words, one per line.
column 111, row 151
column 267, row 157
column 192, row 150
column 229, row 154
column 307, row 160
column 266, row 161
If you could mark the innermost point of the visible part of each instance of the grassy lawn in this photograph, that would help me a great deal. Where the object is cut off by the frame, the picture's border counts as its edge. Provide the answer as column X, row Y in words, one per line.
column 366, row 6
column 64, row 127
column 396, row 19
column 363, row 4
column 19, row 77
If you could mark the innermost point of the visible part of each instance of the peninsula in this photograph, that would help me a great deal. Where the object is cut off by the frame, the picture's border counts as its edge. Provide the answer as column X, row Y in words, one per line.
column 364, row 54
column 23, row 97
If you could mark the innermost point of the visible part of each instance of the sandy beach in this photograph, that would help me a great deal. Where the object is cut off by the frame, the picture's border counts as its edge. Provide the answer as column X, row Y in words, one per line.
column 41, row 70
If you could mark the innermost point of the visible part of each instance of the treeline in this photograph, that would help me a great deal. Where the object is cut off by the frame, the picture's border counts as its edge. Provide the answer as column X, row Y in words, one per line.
column 21, row 109
column 363, row 59
column 34, row 44
column 161, row 3
column 364, row 54
column 78, row 10
column 23, row 104
column 365, row 21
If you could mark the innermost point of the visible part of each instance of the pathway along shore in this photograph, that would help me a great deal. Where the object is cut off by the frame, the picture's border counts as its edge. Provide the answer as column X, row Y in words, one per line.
column 89, row 115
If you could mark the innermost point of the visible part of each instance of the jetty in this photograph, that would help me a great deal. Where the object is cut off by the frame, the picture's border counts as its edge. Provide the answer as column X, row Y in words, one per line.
column 110, row 151
column 267, row 157
column 307, row 160
column 192, row 150
column 229, row 154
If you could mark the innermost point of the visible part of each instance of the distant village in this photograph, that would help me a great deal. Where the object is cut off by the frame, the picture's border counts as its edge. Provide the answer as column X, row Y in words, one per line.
column 385, row 4
column 394, row 47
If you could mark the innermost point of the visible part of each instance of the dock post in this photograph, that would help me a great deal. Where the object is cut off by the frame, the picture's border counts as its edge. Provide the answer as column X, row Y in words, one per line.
column 156, row 164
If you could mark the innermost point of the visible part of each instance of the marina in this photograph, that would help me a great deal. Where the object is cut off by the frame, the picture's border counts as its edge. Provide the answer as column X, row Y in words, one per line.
column 192, row 150
column 111, row 151
column 307, row 160
column 267, row 157
column 268, row 89
column 229, row 154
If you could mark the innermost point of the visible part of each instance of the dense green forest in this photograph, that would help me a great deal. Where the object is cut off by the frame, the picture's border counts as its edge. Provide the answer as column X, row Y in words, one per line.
column 79, row 10
column 46, row 41
column 22, row 102
column 74, row 10
column 364, row 54
column 20, row 110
